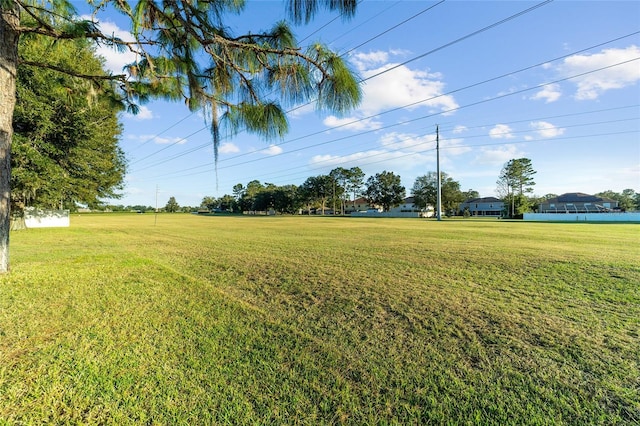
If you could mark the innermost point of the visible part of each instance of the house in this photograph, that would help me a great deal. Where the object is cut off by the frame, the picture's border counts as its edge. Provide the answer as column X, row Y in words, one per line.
column 577, row 202
column 407, row 206
column 358, row 205
column 486, row 206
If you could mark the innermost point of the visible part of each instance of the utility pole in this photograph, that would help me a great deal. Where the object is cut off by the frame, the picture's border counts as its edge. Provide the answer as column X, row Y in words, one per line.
column 155, row 218
column 439, row 197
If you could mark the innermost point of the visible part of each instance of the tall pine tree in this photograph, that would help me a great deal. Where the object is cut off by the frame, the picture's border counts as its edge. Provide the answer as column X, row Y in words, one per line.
column 242, row 81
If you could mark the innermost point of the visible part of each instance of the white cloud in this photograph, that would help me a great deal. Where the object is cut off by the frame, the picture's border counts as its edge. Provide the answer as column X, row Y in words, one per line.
column 365, row 60
column 352, row 123
column 144, row 113
column 591, row 86
column 114, row 60
column 459, row 129
column 228, row 148
column 499, row 155
column 414, row 143
column 377, row 159
column 453, row 147
column 403, row 87
column 546, row 130
column 272, row 150
column 394, row 88
column 549, row 93
column 501, row 131
column 157, row 139
column 409, row 142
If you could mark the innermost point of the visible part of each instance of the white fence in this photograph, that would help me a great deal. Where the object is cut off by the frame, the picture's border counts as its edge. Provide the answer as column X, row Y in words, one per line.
column 35, row 218
column 391, row 214
column 583, row 217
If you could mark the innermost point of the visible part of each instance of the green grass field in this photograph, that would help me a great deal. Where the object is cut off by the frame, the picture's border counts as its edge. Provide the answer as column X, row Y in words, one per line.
column 310, row 320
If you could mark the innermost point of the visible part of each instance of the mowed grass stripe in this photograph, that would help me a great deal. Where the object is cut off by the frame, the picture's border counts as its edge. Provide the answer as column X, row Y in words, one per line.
column 320, row 321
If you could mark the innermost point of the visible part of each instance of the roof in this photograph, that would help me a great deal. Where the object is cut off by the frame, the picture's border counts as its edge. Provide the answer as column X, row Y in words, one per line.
column 579, row 197
column 484, row 200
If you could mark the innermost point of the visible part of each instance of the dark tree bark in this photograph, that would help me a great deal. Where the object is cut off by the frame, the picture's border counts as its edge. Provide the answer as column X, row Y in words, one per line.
column 9, row 22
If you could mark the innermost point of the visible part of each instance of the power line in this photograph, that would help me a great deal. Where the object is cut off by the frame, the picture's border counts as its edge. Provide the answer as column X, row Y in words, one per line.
column 420, row 101
column 393, row 27
column 458, row 40
column 419, row 142
column 429, row 115
column 360, row 45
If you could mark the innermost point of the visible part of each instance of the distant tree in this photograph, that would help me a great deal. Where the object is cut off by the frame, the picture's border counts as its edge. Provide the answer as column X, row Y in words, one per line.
column 263, row 201
column 340, row 176
column 317, row 189
column 208, row 203
column 355, row 182
column 172, row 205
column 385, row 189
column 141, row 208
column 348, row 181
column 238, row 191
column 425, row 191
column 226, row 203
column 470, row 194
column 627, row 200
column 285, row 199
column 247, row 195
column 516, row 180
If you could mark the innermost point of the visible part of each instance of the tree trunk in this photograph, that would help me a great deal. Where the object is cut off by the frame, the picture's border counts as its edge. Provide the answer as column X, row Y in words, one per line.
column 9, row 22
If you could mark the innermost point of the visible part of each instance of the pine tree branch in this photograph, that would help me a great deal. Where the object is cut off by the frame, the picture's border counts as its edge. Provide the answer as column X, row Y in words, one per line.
column 94, row 77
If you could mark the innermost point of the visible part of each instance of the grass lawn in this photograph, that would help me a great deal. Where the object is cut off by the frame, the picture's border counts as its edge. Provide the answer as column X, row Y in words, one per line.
column 311, row 320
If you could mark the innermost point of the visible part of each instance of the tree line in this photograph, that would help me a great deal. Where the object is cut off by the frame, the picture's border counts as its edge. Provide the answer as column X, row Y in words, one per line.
column 337, row 191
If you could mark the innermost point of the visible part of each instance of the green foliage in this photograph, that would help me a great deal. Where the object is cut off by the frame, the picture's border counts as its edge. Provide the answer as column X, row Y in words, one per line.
column 470, row 194
column 65, row 144
column 186, row 52
column 516, row 179
column 425, row 191
column 348, row 182
column 628, row 199
column 384, row 189
column 317, row 189
column 293, row 320
column 172, row 205
column 244, row 78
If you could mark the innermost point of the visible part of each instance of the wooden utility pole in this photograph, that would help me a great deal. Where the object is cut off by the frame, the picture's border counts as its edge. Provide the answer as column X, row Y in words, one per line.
column 439, row 196
column 155, row 218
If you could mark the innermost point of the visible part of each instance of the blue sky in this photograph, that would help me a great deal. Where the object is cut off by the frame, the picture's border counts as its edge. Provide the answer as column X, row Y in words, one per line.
column 558, row 84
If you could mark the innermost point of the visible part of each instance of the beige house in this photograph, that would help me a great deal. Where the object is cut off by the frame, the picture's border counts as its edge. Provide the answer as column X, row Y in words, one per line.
column 358, row 205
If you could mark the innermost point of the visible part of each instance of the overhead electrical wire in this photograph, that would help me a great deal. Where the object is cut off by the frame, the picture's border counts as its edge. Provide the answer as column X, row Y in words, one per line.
column 413, row 136
column 207, row 144
column 393, row 27
column 403, row 122
column 373, row 38
column 509, row 74
column 278, row 179
column 458, row 40
column 458, row 146
column 426, row 100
